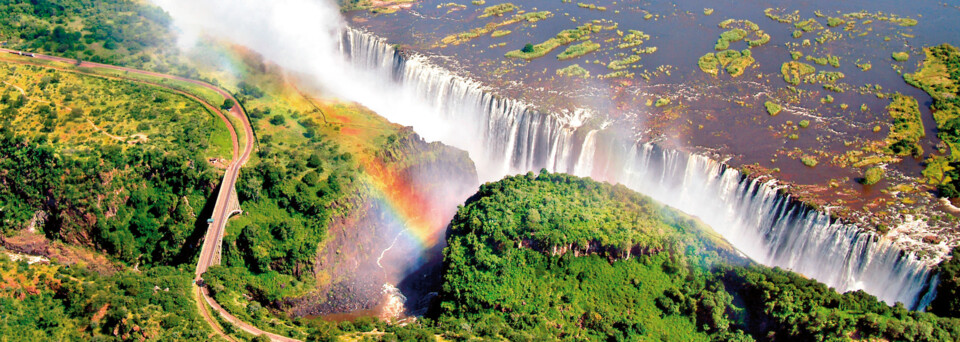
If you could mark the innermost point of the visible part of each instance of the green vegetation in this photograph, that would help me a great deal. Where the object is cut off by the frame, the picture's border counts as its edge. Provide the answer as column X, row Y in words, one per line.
column 901, row 56
column 731, row 36
column 709, row 64
column 804, row 123
column 707, row 11
column 662, row 102
column 872, row 175
column 548, row 256
column 907, row 130
column 906, row 22
column 738, row 63
column 52, row 302
column 543, row 271
column 808, row 25
column 498, row 10
column 940, row 77
column 809, row 161
column 375, row 6
column 633, row 38
column 779, row 15
column 500, row 33
column 124, row 32
column 565, row 37
column 115, row 165
column 834, row 61
column 773, row 108
column 795, row 72
column 733, row 61
column 574, row 71
column 463, row 37
column 621, row 64
column 947, row 302
column 591, row 6
column 741, row 30
column 577, row 50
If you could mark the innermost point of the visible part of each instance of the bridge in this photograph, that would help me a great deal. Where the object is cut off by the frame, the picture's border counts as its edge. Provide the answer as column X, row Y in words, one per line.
column 216, row 227
column 227, row 203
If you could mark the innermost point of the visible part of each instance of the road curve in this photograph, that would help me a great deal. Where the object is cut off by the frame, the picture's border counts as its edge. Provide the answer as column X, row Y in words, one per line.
column 227, row 187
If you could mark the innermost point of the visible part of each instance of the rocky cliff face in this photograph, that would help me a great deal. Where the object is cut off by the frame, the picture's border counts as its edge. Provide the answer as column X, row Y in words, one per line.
column 410, row 193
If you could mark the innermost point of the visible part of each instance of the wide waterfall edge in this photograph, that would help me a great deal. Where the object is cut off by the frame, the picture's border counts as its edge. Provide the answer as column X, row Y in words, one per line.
column 922, row 298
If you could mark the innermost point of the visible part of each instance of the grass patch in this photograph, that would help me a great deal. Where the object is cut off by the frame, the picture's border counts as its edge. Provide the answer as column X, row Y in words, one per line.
column 907, row 130
column 709, row 64
column 563, row 38
column 773, row 108
column 633, row 38
column 795, row 72
column 574, row 71
column 621, row 64
column 730, row 36
column 832, row 60
column 900, row 56
column 498, row 10
column 578, row 50
column 872, row 176
column 463, row 37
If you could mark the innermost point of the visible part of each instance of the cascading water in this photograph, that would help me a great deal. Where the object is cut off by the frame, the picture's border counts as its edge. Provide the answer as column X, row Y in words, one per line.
column 506, row 136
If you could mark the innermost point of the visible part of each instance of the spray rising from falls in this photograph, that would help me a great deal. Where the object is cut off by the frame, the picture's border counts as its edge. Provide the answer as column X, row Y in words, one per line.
column 506, row 137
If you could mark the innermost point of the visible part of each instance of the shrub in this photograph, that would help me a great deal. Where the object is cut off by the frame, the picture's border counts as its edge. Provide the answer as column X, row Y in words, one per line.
column 772, row 108
column 872, row 176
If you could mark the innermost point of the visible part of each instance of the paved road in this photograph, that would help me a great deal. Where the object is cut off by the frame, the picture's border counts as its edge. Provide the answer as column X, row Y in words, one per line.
column 220, row 212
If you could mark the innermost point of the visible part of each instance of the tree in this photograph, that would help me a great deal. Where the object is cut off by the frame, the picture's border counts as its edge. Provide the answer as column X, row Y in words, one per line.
column 947, row 302
column 277, row 120
column 527, row 48
column 227, row 104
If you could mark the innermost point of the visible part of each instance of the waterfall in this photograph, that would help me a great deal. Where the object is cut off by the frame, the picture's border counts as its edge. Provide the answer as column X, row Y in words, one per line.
column 506, row 136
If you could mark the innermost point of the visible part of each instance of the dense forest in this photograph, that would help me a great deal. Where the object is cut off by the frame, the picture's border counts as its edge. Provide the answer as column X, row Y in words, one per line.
column 290, row 195
column 50, row 302
column 108, row 164
column 133, row 33
column 553, row 255
column 130, row 204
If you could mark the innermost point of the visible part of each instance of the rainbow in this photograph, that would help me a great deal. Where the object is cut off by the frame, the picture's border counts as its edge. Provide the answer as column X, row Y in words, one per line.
column 423, row 221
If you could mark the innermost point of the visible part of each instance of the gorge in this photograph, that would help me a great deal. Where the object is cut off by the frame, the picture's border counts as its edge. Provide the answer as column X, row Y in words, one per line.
column 766, row 225
column 507, row 136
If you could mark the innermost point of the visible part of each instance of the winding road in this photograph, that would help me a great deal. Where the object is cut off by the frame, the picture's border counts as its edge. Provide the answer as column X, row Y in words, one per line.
column 210, row 251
